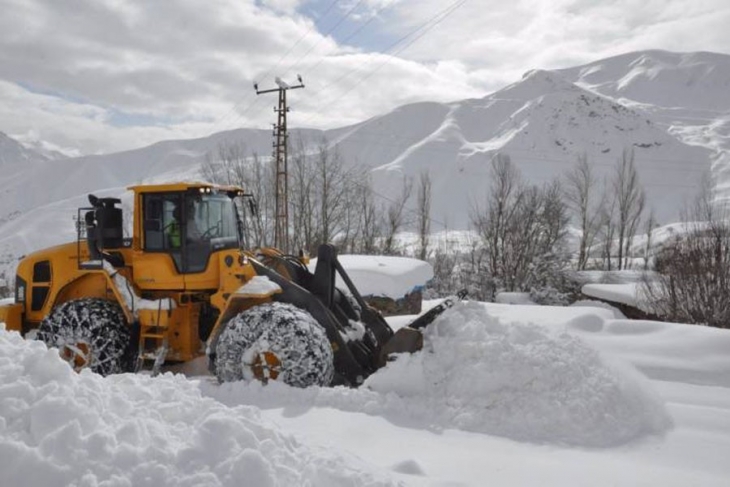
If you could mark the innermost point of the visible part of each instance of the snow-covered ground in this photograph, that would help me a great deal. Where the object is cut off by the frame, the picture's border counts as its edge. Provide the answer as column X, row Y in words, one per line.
column 501, row 394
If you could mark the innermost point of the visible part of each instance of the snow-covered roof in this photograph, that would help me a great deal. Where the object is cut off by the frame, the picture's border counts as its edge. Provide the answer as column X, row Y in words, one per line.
column 378, row 275
column 616, row 293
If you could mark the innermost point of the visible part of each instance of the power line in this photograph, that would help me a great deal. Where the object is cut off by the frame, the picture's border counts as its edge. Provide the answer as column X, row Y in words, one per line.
column 303, row 56
column 266, row 75
column 344, row 41
column 332, row 29
column 416, row 33
column 329, row 31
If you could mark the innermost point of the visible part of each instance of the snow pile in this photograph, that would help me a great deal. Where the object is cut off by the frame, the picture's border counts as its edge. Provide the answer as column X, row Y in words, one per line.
column 478, row 374
column 259, row 285
column 62, row 428
column 518, row 381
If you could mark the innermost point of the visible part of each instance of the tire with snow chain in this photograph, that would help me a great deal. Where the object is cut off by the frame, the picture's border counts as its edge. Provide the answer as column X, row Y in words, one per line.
column 89, row 333
column 274, row 341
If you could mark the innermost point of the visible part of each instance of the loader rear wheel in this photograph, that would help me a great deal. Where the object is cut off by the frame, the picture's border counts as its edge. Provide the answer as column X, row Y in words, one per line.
column 89, row 333
column 274, row 341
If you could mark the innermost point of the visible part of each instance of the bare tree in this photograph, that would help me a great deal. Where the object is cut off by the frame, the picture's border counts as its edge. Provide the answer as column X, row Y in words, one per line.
column 261, row 182
column 227, row 166
column 230, row 165
column 580, row 189
column 630, row 201
column 424, row 214
column 522, row 231
column 491, row 222
column 650, row 225
column 301, row 199
column 554, row 217
column 692, row 284
column 325, row 199
column 371, row 224
column 395, row 218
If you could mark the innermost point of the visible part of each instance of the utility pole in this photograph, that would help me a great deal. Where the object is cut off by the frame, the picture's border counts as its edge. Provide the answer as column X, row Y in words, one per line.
column 281, row 232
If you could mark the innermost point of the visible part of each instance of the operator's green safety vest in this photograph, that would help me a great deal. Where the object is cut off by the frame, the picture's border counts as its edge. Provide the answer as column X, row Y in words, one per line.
column 173, row 234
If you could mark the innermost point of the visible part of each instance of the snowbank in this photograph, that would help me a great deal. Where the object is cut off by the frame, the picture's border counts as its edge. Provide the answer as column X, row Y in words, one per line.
column 62, row 428
column 377, row 275
column 693, row 354
column 478, row 374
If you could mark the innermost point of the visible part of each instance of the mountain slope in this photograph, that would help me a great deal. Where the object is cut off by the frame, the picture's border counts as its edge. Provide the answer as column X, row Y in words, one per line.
column 684, row 93
column 661, row 78
column 543, row 122
column 13, row 153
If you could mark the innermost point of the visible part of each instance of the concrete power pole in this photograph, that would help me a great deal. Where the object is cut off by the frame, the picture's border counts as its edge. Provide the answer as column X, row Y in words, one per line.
column 281, row 233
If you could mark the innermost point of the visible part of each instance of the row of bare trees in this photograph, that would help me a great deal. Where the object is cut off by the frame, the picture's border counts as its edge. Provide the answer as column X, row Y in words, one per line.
column 521, row 228
column 329, row 201
column 522, row 231
column 692, row 279
column 607, row 213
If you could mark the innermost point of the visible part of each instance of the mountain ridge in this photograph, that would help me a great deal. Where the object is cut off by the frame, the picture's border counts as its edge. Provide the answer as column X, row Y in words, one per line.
column 544, row 121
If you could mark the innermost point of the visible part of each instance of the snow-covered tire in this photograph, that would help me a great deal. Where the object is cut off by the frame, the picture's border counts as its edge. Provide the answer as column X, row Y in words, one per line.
column 89, row 333
column 303, row 354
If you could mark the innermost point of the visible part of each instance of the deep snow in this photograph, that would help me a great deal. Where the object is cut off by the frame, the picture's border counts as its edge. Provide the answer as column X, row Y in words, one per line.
column 59, row 428
column 502, row 394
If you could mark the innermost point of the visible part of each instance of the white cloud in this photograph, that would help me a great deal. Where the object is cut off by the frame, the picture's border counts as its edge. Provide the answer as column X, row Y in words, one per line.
column 286, row 6
column 525, row 34
column 114, row 74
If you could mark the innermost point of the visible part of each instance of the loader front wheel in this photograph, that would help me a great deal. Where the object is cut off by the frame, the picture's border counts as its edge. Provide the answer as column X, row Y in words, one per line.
column 89, row 333
column 274, row 341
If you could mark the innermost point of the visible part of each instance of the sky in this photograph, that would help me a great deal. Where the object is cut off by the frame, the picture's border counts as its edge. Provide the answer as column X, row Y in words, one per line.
column 99, row 76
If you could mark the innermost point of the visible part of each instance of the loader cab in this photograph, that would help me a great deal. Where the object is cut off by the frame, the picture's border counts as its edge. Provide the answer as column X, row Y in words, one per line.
column 189, row 224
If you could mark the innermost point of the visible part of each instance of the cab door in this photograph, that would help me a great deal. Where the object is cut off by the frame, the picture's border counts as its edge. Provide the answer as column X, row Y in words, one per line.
column 159, row 263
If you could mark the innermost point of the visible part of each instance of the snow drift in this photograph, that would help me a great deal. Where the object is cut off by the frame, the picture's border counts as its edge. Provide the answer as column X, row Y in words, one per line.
column 62, row 428
column 478, row 374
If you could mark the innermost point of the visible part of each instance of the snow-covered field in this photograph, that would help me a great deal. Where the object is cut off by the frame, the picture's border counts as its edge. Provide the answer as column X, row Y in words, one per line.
column 501, row 395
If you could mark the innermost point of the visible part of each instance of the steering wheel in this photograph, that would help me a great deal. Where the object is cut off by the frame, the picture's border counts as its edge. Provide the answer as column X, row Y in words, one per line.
column 212, row 232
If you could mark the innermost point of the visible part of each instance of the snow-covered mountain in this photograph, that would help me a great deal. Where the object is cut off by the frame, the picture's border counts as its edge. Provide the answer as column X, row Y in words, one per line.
column 13, row 153
column 671, row 109
column 686, row 94
column 544, row 122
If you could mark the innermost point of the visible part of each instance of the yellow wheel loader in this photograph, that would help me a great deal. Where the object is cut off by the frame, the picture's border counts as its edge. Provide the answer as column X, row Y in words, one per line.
column 183, row 287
